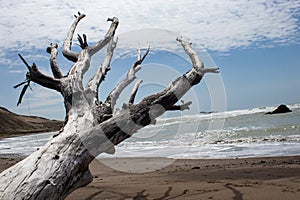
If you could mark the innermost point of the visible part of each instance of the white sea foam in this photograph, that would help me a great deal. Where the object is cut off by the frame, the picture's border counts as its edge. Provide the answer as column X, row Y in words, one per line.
column 24, row 145
column 245, row 133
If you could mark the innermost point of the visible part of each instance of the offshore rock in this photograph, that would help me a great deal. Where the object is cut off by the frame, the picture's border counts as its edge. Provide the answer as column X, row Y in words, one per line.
column 280, row 109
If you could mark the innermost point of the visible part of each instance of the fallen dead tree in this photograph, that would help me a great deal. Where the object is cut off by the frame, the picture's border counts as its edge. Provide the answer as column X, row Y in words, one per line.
column 91, row 126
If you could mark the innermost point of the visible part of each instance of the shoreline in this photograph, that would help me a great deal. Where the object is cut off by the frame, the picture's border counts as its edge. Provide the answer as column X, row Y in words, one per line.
column 25, row 133
column 240, row 178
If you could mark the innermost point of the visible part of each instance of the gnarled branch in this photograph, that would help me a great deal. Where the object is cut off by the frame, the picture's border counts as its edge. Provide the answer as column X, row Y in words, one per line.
column 71, row 55
column 104, row 111
column 108, row 36
column 94, row 83
column 83, row 63
column 196, row 61
column 38, row 77
column 134, row 91
column 211, row 70
column 53, row 61
column 183, row 106
column 22, row 93
column 133, row 117
column 115, row 93
column 82, row 42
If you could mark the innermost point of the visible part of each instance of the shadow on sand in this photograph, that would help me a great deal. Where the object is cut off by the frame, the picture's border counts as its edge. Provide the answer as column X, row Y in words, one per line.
column 138, row 196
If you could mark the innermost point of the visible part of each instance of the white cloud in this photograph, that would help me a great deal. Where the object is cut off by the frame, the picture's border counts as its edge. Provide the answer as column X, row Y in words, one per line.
column 216, row 25
column 29, row 26
column 17, row 71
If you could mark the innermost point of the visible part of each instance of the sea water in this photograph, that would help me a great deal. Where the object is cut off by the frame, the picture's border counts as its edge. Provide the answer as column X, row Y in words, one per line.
column 230, row 134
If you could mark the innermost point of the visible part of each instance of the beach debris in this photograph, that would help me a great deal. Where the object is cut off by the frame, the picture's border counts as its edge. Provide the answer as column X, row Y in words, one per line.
column 92, row 126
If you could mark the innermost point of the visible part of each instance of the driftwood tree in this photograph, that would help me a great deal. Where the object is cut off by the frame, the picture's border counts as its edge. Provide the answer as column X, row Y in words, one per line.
column 91, row 126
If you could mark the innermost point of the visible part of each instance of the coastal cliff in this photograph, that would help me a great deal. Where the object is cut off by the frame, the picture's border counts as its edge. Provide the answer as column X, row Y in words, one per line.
column 12, row 124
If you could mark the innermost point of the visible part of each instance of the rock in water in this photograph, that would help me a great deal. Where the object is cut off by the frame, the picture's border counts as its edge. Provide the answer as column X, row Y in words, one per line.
column 280, row 109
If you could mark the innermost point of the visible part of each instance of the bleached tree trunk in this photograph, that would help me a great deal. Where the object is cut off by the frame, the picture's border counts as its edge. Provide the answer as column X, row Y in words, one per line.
column 91, row 126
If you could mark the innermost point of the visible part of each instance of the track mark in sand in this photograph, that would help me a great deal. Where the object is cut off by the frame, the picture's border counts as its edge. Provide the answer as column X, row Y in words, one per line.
column 296, row 180
column 237, row 194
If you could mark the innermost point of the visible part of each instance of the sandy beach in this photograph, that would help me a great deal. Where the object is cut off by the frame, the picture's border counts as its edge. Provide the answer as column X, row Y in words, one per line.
column 251, row 178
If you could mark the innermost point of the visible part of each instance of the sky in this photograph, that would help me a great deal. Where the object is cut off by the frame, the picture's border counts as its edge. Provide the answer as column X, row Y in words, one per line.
column 255, row 43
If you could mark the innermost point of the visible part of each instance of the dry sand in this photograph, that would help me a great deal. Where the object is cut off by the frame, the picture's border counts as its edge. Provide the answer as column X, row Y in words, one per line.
column 237, row 179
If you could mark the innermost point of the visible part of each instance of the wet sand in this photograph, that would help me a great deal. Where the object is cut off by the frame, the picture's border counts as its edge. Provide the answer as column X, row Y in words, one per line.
column 251, row 178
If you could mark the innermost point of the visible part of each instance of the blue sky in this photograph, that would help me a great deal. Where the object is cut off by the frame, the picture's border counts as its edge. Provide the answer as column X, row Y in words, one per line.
column 255, row 43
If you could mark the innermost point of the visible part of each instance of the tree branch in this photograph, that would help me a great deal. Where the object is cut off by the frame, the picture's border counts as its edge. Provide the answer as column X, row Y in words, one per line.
column 182, row 107
column 53, row 61
column 22, row 93
column 133, row 117
column 38, row 77
column 196, row 61
column 71, row 55
column 46, row 81
column 83, row 42
column 211, row 70
column 134, row 91
column 108, row 36
column 104, row 111
column 94, row 83
column 115, row 93
column 84, row 58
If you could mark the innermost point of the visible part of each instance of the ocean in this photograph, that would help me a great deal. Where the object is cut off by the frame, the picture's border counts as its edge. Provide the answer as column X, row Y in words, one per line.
column 229, row 134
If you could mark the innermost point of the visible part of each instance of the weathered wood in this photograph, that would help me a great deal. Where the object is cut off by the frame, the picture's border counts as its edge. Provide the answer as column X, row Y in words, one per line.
column 115, row 93
column 53, row 61
column 183, row 106
column 94, row 83
column 67, row 52
column 91, row 127
column 84, row 58
column 38, row 77
column 134, row 91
